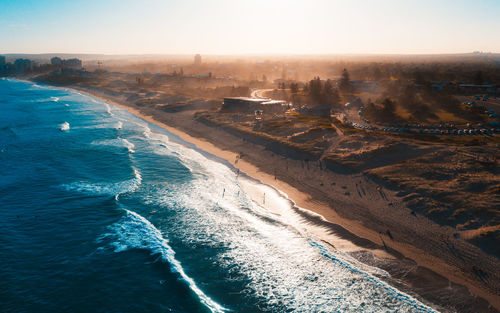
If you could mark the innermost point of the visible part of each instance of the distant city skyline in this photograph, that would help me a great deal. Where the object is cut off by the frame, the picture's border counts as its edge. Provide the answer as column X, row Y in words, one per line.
column 224, row 27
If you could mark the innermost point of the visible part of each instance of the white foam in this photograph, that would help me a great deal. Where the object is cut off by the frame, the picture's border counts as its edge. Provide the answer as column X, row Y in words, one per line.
column 119, row 142
column 115, row 189
column 54, row 99
column 64, row 126
column 284, row 264
column 106, row 105
column 136, row 232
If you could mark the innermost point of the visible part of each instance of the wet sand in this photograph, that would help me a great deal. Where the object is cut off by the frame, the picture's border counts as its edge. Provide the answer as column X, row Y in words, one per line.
column 413, row 270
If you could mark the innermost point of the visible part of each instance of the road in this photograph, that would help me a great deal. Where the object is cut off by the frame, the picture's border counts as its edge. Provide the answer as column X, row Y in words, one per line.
column 257, row 93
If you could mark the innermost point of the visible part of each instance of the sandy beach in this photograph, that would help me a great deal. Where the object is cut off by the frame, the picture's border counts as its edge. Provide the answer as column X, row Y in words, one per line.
column 351, row 212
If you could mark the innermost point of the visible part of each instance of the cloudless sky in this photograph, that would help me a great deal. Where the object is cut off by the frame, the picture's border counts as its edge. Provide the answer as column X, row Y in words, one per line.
column 249, row 27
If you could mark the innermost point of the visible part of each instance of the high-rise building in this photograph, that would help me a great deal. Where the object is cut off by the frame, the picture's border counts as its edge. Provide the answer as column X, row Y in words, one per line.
column 2, row 65
column 197, row 59
column 22, row 65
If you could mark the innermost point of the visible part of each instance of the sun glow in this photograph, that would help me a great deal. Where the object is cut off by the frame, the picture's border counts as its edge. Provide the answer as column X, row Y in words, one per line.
column 249, row 27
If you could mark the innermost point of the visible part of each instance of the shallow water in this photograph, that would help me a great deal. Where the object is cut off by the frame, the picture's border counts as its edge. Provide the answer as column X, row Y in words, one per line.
column 103, row 212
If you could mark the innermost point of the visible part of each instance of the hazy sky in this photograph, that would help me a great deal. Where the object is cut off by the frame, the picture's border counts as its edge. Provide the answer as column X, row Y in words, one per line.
column 249, row 27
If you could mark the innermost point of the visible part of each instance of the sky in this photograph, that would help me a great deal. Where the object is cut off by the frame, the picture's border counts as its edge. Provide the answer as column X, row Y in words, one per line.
column 233, row 27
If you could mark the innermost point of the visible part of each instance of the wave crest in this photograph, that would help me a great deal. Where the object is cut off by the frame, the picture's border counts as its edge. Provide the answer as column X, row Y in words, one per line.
column 115, row 189
column 64, row 126
column 136, row 232
column 119, row 142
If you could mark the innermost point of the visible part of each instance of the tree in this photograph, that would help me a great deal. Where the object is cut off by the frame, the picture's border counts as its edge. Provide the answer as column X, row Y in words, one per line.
column 478, row 78
column 334, row 98
column 345, row 82
column 377, row 74
column 388, row 107
column 370, row 106
column 408, row 96
column 315, row 88
column 294, row 88
column 419, row 77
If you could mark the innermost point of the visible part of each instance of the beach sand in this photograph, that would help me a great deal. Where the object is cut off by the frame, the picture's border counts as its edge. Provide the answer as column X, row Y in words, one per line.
column 367, row 233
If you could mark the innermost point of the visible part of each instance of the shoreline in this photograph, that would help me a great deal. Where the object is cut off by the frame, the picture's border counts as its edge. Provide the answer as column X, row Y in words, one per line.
column 326, row 217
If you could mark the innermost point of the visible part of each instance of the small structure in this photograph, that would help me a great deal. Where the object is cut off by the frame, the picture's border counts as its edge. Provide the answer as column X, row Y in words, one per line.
column 249, row 105
column 197, row 60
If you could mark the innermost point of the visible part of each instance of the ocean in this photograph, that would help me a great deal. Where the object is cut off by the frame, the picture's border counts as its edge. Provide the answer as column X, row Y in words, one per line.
column 101, row 211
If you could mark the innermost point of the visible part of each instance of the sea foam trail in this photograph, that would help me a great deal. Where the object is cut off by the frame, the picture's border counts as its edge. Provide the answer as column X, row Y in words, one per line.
column 112, row 189
column 119, row 142
column 107, row 106
column 136, row 232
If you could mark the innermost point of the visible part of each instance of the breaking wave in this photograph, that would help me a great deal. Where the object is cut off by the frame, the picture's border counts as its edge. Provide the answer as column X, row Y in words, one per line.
column 112, row 189
column 136, row 232
column 64, row 126
column 107, row 106
column 119, row 142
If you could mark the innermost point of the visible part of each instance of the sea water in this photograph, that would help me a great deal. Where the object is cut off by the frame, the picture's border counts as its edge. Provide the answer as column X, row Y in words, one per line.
column 101, row 211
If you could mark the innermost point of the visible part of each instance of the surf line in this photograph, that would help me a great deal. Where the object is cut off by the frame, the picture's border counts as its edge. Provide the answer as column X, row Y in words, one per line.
column 161, row 246
column 395, row 292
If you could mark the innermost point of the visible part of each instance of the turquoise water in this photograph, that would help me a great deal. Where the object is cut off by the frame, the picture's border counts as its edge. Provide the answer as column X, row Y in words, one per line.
column 102, row 212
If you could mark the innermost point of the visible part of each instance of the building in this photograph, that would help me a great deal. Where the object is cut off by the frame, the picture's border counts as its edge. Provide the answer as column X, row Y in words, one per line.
column 22, row 65
column 250, row 105
column 2, row 65
column 197, row 60
column 72, row 63
column 57, row 61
